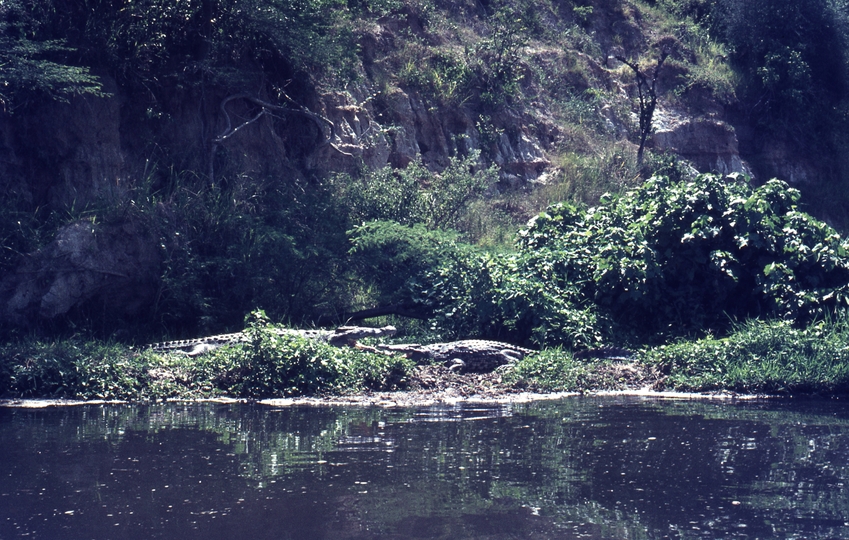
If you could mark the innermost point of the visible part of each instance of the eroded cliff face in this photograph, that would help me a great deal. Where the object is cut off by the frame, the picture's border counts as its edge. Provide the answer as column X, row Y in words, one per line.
column 61, row 154
column 707, row 141
column 408, row 129
column 92, row 151
column 115, row 266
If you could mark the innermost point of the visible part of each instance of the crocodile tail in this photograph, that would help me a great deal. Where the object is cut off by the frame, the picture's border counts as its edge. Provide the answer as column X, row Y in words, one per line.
column 608, row 353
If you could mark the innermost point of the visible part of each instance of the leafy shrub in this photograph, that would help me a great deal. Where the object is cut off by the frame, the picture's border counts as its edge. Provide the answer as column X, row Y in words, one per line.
column 269, row 245
column 37, row 65
column 667, row 259
column 688, row 253
column 274, row 365
column 395, row 259
column 520, row 298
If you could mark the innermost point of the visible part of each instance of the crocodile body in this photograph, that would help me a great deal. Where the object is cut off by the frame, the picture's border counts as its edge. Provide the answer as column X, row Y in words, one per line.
column 471, row 355
column 344, row 335
column 484, row 356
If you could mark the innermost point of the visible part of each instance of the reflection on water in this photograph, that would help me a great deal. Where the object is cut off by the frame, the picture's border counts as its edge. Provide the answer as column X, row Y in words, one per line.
column 576, row 468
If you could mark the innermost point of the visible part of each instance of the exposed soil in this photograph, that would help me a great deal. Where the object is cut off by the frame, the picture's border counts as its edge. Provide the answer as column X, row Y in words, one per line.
column 435, row 384
column 437, row 379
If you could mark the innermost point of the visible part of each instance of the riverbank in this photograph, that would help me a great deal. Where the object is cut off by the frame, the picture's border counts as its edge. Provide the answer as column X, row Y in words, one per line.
column 760, row 358
column 429, row 386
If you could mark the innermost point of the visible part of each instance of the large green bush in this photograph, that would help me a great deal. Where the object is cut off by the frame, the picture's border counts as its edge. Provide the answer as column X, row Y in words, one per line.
column 669, row 258
column 393, row 262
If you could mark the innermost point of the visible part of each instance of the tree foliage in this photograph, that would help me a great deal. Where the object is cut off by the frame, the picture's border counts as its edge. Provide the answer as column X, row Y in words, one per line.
column 30, row 65
column 153, row 44
column 792, row 55
column 793, row 51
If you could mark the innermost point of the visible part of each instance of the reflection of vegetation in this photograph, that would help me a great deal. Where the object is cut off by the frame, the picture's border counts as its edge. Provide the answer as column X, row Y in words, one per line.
column 608, row 467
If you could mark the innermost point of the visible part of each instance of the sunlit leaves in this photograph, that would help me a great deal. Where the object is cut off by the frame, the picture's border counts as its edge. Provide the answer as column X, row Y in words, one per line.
column 666, row 259
column 31, row 66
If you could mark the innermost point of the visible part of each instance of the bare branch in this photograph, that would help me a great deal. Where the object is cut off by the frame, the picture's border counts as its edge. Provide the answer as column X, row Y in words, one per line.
column 647, row 92
column 267, row 108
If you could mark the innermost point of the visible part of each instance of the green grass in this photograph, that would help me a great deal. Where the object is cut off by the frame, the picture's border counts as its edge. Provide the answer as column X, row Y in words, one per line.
column 268, row 366
column 759, row 357
column 770, row 357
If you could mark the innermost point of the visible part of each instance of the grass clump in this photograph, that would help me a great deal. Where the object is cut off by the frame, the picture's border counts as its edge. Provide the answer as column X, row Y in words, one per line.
column 771, row 357
column 556, row 370
column 74, row 369
column 552, row 370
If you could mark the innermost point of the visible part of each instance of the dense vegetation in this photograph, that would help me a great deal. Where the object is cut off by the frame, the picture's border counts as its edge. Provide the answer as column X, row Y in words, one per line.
column 792, row 63
column 267, row 364
column 620, row 252
column 666, row 260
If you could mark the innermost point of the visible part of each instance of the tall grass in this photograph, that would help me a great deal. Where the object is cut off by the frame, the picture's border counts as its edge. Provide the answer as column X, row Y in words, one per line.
column 586, row 176
column 761, row 357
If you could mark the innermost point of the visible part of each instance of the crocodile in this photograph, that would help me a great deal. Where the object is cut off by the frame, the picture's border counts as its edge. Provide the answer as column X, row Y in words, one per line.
column 466, row 356
column 484, row 356
column 342, row 336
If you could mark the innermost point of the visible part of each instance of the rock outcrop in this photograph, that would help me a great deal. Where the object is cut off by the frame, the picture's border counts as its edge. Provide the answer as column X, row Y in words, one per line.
column 709, row 143
column 115, row 266
column 409, row 129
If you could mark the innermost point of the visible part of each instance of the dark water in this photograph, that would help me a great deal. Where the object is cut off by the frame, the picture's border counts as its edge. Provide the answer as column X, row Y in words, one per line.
column 576, row 468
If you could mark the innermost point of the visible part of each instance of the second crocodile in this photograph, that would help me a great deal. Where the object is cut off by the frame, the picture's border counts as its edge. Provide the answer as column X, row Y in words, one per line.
column 344, row 335
column 470, row 355
column 484, row 356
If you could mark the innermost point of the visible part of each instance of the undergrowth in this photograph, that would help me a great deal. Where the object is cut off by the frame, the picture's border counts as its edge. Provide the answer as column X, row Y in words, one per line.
column 267, row 365
column 758, row 357
column 770, row 357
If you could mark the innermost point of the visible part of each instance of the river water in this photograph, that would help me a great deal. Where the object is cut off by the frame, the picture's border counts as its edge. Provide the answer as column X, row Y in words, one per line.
column 582, row 467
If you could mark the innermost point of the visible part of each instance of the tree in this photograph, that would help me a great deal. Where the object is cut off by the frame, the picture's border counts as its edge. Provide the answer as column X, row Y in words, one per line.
column 31, row 65
column 647, row 89
column 793, row 56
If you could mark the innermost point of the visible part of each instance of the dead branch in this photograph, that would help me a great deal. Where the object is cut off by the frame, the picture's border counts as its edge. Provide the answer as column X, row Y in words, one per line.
column 323, row 124
column 647, row 91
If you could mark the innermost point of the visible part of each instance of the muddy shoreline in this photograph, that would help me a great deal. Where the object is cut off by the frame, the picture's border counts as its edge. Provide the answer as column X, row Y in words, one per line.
column 429, row 386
